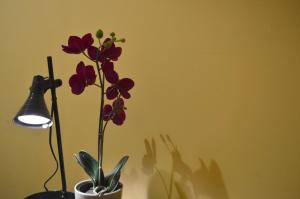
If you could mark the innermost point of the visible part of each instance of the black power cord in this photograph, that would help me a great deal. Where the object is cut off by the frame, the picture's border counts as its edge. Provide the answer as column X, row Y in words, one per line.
column 52, row 151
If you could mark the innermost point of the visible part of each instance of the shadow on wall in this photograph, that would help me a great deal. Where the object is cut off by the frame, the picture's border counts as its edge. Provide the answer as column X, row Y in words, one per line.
column 181, row 182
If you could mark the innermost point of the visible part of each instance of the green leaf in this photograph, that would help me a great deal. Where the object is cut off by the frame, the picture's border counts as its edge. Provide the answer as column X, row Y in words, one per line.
column 112, row 179
column 114, row 182
column 90, row 166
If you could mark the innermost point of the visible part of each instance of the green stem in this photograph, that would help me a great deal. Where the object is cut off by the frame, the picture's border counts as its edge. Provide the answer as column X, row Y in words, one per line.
column 86, row 56
column 99, row 74
column 105, row 125
column 97, row 85
column 100, row 127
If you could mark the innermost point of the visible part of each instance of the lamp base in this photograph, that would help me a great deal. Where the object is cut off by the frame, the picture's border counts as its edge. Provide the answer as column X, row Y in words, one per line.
column 52, row 195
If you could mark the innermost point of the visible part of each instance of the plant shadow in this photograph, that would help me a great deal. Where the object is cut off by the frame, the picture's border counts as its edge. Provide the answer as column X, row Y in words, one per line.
column 181, row 181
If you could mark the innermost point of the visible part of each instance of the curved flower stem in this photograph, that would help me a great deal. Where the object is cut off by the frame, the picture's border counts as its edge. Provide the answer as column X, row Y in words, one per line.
column 97, row 85
column 105, row 125
column 86, row 56
column 100, row 127
column 99, row 74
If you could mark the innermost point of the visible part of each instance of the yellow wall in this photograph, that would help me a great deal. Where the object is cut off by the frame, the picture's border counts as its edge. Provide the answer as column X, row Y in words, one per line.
column 221, row 78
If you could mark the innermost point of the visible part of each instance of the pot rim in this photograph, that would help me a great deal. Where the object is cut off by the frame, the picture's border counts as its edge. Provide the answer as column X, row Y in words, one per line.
column 83, row 182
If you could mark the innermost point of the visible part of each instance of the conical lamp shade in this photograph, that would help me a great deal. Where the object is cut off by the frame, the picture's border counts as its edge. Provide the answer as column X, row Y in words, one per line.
column 34, row 112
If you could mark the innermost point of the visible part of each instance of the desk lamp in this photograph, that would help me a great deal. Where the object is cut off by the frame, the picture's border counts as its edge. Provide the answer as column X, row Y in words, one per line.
column 34, row 114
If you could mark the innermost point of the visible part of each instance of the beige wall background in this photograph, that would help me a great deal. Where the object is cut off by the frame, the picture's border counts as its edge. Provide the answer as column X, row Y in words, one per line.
column 220, row 78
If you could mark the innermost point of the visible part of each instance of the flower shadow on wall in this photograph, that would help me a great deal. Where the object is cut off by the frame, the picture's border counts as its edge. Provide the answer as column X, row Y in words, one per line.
column 181, row 182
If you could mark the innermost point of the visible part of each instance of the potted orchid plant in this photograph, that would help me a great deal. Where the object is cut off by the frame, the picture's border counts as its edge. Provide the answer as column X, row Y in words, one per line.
column 102, row 53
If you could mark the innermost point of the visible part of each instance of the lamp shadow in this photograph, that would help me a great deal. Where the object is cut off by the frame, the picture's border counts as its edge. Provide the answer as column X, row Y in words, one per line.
column 181, row 181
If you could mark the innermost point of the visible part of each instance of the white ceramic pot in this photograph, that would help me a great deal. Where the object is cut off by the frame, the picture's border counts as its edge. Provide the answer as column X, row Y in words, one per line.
column 83, row 186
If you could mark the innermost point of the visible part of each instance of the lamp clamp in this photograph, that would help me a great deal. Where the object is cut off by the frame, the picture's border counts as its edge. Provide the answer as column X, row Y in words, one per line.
column 41, row 84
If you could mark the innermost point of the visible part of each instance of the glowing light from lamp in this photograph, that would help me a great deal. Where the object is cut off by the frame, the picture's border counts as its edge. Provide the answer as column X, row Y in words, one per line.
column 33, row 119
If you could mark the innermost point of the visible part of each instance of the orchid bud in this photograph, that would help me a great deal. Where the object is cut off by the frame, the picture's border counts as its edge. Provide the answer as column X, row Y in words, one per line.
column 107, row 44
column 112, row 34
column 99, row 34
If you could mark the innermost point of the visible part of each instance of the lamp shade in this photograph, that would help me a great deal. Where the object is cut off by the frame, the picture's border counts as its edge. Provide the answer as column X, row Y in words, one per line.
column 34, row 112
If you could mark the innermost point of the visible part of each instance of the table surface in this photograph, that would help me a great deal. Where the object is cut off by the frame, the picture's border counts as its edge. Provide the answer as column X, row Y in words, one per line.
column 51, row 195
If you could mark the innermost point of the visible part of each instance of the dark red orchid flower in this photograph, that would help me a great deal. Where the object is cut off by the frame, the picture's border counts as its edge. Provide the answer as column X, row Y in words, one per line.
column 77, row 45
column 122, row 87
column 105, row 53
column 115, row 112
column 109, row 73
column 112, row 52
column 85, row 75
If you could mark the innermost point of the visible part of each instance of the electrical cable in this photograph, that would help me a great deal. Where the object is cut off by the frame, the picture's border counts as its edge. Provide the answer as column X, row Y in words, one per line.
column 52, row 151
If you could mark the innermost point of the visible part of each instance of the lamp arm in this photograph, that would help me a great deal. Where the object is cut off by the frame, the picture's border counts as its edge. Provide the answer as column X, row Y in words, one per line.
column 54, row 84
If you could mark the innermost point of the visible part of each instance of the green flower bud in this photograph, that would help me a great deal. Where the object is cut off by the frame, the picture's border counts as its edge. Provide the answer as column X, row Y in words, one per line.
column 99, row 34
column 107, row 44
column 112, row 34
column 122, row 40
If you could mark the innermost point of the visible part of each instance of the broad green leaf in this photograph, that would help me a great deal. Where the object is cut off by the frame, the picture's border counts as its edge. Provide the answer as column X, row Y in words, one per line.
column 114, row 182
column 89, row 164
column 112, row 179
